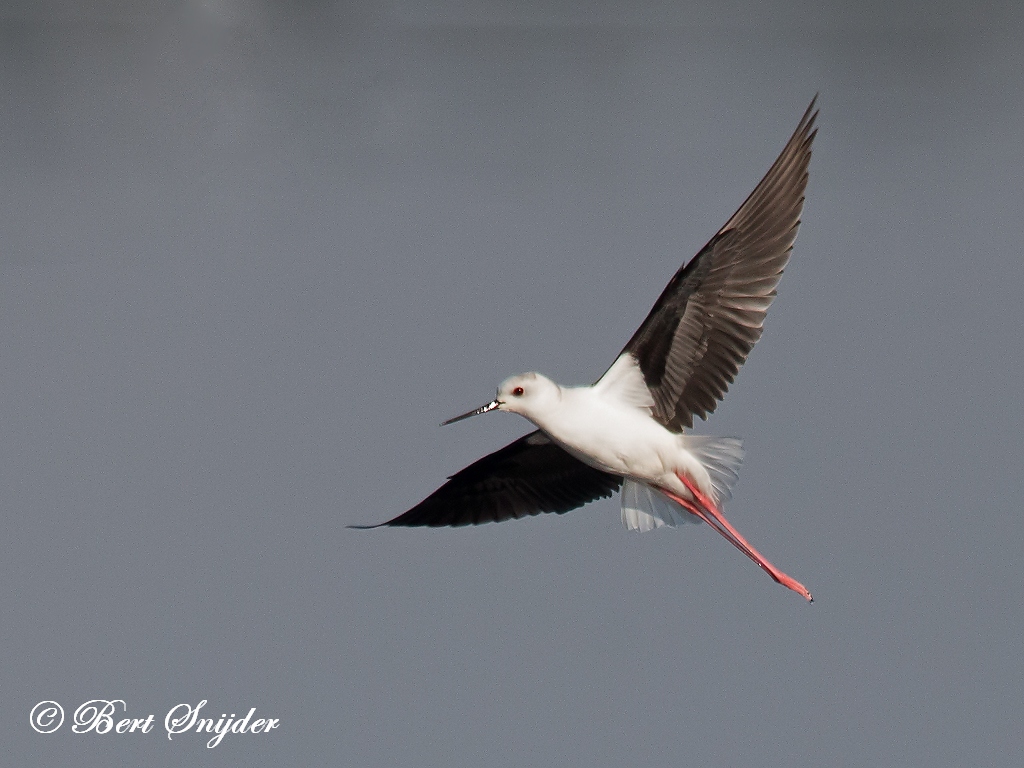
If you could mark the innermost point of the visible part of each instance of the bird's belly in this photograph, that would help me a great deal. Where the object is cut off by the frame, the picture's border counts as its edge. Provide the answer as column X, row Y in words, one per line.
column 630, row 450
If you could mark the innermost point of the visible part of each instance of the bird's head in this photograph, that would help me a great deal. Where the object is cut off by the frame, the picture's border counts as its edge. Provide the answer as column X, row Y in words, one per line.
column 528, row 394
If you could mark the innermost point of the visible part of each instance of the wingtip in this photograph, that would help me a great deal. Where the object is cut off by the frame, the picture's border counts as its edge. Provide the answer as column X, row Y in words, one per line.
column 365, row 527
column 813, row 106
column 810, row 116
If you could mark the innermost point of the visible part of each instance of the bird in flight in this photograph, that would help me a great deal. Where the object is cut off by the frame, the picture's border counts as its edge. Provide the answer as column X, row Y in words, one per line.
column 627, row 431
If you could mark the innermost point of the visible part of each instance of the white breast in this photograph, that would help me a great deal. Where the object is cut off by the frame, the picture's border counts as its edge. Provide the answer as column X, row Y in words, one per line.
column 612, row 436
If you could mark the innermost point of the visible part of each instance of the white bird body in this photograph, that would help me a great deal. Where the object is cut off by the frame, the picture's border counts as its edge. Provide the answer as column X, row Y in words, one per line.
column 609, row 426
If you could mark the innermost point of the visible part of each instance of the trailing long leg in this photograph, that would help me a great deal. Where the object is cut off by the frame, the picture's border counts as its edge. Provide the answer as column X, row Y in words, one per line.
column 708, row 511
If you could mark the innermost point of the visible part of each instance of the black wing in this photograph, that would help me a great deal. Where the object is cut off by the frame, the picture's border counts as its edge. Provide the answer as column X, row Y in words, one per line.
column 527, row 477
column 710, row 315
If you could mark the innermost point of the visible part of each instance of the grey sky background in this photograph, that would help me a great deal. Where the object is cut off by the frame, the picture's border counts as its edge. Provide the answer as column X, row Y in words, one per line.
column 253, row 253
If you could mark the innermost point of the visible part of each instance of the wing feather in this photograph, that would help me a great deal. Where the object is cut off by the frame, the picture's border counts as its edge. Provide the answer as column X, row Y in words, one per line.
column 700, row 331
column 527, row 477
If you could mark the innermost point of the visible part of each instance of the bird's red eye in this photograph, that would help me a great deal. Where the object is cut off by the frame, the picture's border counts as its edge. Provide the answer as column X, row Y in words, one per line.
column 517, row 392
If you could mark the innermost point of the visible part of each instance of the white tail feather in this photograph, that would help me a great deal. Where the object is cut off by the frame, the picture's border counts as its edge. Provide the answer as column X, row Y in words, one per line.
column 644, row 508
column 721, row 457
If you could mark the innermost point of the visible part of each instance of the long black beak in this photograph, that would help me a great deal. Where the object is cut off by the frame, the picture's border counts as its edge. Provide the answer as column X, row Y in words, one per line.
column 482, row 409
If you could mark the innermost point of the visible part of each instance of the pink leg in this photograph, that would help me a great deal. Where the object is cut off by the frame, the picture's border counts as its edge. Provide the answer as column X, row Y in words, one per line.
column 702, row 507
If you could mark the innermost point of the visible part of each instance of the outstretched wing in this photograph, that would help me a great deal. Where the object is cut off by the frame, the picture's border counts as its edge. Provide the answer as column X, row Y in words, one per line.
column 710, row 315
column 527, row 477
